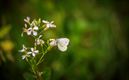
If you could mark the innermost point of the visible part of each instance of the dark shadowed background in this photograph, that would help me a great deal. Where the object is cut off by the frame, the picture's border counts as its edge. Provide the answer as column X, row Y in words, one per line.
column 98, row 31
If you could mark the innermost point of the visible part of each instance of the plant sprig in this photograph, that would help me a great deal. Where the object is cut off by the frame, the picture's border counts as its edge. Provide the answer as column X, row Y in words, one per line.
column 35, row 29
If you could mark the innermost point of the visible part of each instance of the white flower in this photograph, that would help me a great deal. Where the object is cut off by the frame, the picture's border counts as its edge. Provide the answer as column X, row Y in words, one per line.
column 23, row 48
column 48, row 24
column 27, row 20
column 25, row 56
column 33, row 52
column 32, row 31
column 52, row 42
column 39, row 41
column 61, row 43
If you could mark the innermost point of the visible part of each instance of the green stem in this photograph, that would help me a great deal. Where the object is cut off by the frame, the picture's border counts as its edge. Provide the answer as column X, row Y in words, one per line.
column 33, row 70
column 30, row 65
column 40, row 60
column 36, row 71
column 40, row 32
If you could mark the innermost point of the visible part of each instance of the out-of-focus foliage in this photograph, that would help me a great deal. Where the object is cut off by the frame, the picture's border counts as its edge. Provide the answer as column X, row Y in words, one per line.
column 6, row 45
column 98, row 33
column 4, row 31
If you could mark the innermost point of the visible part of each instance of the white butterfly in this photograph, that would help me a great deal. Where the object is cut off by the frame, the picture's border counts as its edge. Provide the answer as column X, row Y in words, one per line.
column 62, row 44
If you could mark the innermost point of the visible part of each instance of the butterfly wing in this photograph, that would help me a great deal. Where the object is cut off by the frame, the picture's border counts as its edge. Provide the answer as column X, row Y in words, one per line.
column 62, row 44
column 63, row 41
column 62, row 48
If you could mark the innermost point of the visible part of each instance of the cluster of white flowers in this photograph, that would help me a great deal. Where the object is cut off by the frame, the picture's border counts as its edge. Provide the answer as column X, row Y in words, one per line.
column 33, row 28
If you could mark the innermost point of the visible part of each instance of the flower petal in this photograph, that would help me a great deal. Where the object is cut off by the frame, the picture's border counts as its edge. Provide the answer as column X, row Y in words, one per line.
column 24, row 46
column 37, row 41
column 52, row 22
column 29, row 52
column 27, row 19
column 32, row 49
column 33, row 54
column 29, row 31
column 40, row 36
column 45, row 21
column 53, row 25
column 35, row 28
column 21, row 50
column 25, row 25
column 36, row 51
column 62, row 48
column 34, row 33
column 23, row 56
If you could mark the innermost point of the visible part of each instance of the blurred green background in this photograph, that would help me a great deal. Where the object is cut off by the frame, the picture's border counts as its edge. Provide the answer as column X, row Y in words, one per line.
column 98, row 33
